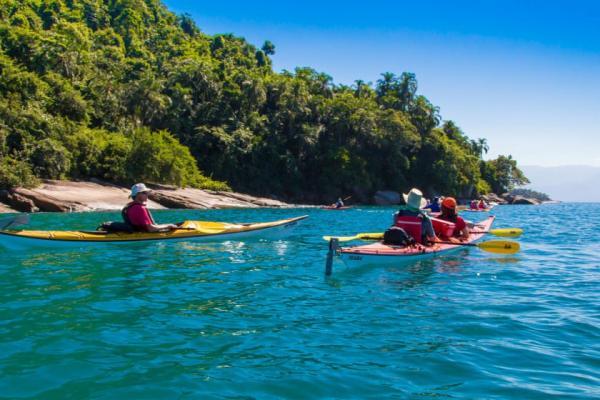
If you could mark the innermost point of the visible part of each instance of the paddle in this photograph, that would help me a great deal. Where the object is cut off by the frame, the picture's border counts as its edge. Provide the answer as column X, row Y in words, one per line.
column 504, row 232
column 20, row 219
column 363, row 236
column 492, row 246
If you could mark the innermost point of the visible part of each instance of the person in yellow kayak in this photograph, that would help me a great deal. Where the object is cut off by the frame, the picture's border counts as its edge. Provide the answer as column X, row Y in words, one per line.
column 461, row 230
column 413, row 219
column 137, row 215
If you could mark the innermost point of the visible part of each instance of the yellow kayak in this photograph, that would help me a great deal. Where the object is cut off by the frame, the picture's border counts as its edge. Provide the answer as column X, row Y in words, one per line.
column 189, row 230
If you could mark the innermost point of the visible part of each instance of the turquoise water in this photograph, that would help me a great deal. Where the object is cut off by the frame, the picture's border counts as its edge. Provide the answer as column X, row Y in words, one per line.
column 243, row 320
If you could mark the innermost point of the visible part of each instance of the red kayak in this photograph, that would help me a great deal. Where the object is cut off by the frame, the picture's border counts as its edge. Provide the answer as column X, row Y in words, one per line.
column 379, row 253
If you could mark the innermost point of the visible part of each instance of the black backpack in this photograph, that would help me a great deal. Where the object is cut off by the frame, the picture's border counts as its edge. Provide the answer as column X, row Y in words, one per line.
column 116, row 226
column 397, row 236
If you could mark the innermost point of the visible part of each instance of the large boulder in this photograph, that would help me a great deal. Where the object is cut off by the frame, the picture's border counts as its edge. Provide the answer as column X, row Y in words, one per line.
column 47, row 202
column 525, row 200
column 16, row 201
column 493, row 198
column 386, row 197
column 190, row 198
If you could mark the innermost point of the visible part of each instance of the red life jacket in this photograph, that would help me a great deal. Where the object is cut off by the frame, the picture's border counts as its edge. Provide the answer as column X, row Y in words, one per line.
column 442, row 227
column 412, row 226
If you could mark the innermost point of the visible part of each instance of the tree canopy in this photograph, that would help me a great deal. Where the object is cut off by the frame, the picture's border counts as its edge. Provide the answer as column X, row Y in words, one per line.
column 125, row 90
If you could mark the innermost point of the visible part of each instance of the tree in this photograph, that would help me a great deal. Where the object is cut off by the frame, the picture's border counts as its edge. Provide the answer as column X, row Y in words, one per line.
column 268, row 47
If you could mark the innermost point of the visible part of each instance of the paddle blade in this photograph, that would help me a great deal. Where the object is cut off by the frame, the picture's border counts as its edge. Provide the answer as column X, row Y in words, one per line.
column 370, row 236
column 20, row 219
column 499, row 246
column 507, row 232
column 341, row 238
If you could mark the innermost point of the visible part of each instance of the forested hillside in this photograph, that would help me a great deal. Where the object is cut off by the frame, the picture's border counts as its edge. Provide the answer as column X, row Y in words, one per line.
column 125, row 90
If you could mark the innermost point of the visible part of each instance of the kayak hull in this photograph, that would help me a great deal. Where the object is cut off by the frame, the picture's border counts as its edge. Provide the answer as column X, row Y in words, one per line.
column 196, row 231
column 335, row 208
column 381, row 254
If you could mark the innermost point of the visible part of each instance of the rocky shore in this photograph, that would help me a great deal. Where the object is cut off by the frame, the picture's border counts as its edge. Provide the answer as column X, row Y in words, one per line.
column 68, row 196
column 386, row 197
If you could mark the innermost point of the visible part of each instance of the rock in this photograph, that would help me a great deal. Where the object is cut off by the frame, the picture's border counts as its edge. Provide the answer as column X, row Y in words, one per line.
column 64, row 196
column 6, row 209
column 386, row 197
column 49, row 203
column 16, row 201
column 525, row 200
column 200, row 199
column 493, row 198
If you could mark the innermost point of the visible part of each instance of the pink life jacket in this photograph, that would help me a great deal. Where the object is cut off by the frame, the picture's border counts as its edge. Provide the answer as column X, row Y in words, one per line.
column 412, row 226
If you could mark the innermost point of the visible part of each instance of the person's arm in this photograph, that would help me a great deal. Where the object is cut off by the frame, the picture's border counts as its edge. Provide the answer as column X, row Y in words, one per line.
column 428, row 227
column 140, row 217
column 463, row 229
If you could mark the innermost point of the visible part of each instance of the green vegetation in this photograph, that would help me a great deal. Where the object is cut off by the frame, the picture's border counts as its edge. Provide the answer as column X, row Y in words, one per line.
column 124, row 91
column 530, row 194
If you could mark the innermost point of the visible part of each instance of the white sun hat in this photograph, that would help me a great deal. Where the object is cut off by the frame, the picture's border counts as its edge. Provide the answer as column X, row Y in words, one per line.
column 414, row 199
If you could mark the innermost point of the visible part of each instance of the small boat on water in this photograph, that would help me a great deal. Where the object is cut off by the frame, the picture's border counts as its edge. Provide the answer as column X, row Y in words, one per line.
column 335, row 208
column 188, row 231
column 382, row 254
column 477, row 210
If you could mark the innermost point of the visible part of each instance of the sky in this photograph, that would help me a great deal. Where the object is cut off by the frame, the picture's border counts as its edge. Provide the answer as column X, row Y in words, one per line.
column 525, row 75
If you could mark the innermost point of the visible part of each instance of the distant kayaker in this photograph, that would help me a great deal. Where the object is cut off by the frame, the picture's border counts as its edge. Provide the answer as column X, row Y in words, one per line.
column 411, row 214
column 434, row 205
column 449, row 214
column 137, row 214
column 482, row 205
column 339, row 203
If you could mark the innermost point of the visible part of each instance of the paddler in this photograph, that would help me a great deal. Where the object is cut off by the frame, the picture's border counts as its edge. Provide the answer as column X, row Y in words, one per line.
column 339, row 203
column 449, row 214
column 434, row 205
column 411, row 212
column 137, row 214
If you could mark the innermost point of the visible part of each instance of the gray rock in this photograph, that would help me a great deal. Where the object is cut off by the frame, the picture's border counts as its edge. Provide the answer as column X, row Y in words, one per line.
column 524, row 200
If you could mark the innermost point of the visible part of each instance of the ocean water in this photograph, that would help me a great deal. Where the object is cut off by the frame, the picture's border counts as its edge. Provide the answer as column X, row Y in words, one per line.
column 259, row 320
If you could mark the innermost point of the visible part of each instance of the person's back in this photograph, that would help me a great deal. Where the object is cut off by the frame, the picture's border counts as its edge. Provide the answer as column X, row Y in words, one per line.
column 449, row 214
column 434, row 206
column 339, row 203
column 138, row 216
column 407, row 215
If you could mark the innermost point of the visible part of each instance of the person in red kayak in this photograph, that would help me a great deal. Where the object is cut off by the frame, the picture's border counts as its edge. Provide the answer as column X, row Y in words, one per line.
column 482, row 205
column 413, row 219
column 449, row 214
column 137, row 215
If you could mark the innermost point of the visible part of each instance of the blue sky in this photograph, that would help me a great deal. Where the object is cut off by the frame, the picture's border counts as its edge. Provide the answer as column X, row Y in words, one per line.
column 523, row 75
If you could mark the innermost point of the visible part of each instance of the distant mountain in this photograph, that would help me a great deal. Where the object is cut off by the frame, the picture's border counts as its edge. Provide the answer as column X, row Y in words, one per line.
column 565, row 183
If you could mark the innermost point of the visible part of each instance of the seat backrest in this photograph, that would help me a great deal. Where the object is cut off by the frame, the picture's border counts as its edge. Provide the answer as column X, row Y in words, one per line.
column 412, row 226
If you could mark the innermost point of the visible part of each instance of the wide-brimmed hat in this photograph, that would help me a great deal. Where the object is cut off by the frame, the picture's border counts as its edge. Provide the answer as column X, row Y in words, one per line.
column 138, row 188
column 414, row 199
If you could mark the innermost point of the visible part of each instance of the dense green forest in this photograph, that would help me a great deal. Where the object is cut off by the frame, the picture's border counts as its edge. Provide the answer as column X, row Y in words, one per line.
column 125, row 90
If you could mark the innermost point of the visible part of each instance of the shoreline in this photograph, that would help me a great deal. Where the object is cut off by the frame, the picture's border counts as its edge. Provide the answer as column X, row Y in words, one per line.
column 78, row 196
